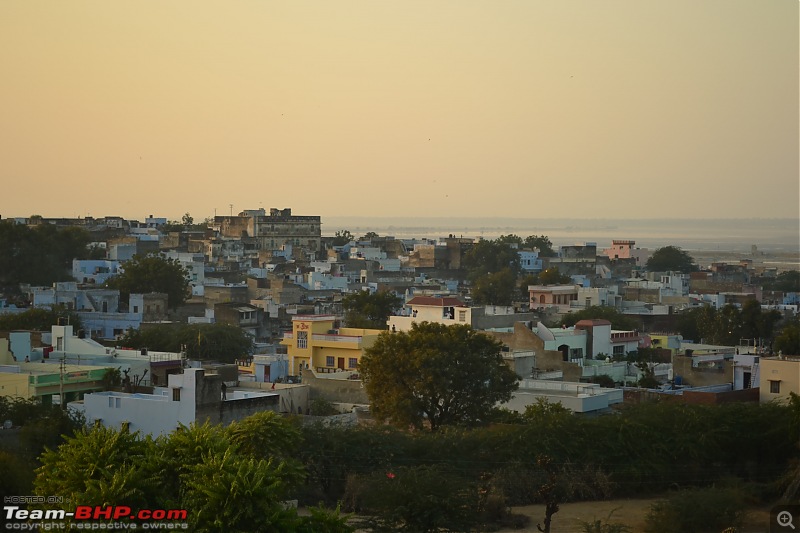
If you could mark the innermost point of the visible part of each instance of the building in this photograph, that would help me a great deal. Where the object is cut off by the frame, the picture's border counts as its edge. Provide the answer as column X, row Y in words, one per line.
column 559, row 297
column 191, row 397
column 95, row 271
column 316, row 342
column 779, row 376
column 446, row 310
column 272, row 231
column 577, row 397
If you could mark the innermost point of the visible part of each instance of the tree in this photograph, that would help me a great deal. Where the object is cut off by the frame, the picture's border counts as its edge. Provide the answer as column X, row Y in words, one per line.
column 788, row 281
column 498, row 288
column 487, row 257
column 39, row 255
column 542, row 242
column 441, row 374
column 39, row 319
column 153, row 273
column 552, row 276
column 369, row 236
column 365, row 310
column 223, row 476
column 342, row 237
column 220, row 342
column 788, row 341
column 187, row 219
column 617, row 319
column 671, row 259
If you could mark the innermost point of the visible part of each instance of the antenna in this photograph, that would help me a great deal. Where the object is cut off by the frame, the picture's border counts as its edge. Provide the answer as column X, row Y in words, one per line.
column 231, row 206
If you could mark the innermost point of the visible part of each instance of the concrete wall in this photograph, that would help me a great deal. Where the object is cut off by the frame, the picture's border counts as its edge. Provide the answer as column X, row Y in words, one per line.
column 335, row 390
column 701, row 376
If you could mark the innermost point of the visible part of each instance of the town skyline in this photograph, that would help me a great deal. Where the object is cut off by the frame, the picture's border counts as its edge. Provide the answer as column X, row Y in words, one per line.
column 530, row 109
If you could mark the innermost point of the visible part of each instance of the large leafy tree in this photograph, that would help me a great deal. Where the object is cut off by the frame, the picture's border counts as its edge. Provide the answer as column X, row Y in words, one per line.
column 498, row 288
column 617, row 319
column 542, row 242
column 153, row 273
column 670, row 258
column 788, row 341
column 221, row 342
column 445, row 375
column 365, row 310
column 489, row 257
column 38, row 319
column 39, row 255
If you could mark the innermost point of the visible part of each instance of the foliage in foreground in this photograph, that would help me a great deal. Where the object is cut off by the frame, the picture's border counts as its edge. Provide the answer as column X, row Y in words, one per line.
column 697, row 511
column 224, row 477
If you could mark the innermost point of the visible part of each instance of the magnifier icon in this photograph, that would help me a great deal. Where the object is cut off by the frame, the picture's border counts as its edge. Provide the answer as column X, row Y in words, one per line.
column 785, row 519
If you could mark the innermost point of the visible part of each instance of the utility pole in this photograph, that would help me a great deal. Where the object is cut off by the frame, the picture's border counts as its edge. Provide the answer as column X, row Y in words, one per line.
column 61, row 366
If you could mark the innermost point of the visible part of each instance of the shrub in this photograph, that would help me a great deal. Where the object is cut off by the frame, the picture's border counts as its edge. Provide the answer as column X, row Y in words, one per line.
column 697, row 511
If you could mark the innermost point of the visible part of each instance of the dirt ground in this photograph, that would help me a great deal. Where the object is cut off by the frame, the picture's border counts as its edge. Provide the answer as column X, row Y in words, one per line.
column 570, row 517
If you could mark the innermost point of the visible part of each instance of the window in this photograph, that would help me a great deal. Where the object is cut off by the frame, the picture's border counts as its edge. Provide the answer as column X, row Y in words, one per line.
column 329, row 360
column 135, row 308
column 302, row 339
column 117, row 402
column 618, row 350
column 462, row 316
column 352, row 362
column 176, row 395
column 110, row 402
column 775, row 387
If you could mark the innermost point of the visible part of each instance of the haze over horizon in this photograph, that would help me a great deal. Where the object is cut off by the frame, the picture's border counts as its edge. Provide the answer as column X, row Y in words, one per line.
column 555, row 108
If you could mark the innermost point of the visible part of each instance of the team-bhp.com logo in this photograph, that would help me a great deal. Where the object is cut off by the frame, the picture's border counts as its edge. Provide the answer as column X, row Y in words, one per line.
column 117, row 517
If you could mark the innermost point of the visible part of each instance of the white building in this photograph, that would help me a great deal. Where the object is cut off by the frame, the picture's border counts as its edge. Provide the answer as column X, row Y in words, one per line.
column 188, row 398
column 447, row 311
column 95, row 271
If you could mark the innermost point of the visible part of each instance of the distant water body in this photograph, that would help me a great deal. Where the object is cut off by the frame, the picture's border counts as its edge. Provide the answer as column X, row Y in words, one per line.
column 735, row 235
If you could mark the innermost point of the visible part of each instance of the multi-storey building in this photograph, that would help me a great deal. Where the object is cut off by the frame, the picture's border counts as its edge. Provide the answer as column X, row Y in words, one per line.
column 273, row 231
column 316, row 343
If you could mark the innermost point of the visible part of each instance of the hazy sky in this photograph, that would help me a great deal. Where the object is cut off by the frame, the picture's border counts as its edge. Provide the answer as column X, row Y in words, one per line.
column 634, row 108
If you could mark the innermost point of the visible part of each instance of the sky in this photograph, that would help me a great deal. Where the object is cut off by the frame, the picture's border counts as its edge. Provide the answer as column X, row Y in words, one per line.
column 451, row 108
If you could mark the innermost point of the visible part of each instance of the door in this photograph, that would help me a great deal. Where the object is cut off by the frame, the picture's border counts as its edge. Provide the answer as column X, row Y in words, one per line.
column 340, row 363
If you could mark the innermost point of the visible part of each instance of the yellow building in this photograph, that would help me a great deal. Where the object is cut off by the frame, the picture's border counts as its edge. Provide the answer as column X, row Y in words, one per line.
column 778, row 377
column 316, row 343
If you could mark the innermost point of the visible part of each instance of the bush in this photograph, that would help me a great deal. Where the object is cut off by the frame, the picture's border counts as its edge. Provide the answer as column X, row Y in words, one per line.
column 697, row 511
column 422, row 498
column 322, row 407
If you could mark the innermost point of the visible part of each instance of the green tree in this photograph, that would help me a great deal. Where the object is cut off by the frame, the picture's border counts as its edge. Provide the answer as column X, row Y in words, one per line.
column 441, row 374
column 617, row 319
column 670, row 259
column 524, row 282
column 510, row 239
column 219, row 342
column 223, row 477
column 365, row 310
column 187, row 220
column 487, row 257
column 368, row 236
column 788, row 341
column 153, row 273
column 788, row 281
column 497, row 288
column 342, row 237
column 39, row 319
column 542, row 242
column 39, row 255
column 552, row 276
